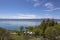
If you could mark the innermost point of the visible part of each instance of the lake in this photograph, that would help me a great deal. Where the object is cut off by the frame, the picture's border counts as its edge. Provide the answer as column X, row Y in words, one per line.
column 14, row 24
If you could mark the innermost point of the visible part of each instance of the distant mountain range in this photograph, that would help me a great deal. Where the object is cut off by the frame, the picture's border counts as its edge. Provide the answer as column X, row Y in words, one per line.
column 28, row 19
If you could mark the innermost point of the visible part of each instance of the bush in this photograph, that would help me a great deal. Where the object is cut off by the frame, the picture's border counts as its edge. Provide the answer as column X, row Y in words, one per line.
column 53, row 33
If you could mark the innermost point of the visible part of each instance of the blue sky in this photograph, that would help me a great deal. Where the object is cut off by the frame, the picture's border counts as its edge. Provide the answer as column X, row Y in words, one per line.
column 29, row 9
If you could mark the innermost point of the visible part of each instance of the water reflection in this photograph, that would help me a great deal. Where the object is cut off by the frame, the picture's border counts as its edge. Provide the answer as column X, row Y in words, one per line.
column 16, row 24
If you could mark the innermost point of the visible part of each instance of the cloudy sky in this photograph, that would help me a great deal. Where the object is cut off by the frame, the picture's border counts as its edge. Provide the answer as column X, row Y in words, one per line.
column 29, row 9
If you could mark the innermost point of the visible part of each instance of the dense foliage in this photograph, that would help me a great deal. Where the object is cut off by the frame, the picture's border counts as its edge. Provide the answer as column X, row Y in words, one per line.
column 48, row 29
column 52, row 33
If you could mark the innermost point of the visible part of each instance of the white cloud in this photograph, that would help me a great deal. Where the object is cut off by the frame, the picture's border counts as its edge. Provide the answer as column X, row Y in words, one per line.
column 48, row 16
column 49, row 5
column 53, row 9
column 20, row 16
column 36, row 4
column 33, row 0
column 27, row 16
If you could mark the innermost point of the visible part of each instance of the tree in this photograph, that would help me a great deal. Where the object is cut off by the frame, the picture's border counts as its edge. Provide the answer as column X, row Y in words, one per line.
column 37, row 32
column 53, row 33
column 43, row 26
column 21, row 28
column 47, row 23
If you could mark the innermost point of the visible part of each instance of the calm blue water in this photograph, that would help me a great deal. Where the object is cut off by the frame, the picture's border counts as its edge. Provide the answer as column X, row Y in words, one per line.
column 15, row 24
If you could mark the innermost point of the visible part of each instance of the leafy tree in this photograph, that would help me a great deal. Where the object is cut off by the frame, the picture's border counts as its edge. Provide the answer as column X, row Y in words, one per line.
column 20, row 31
column 37, row 31
column 52, row 33
column 47, row 23
column 21, row 28
column 43, row 26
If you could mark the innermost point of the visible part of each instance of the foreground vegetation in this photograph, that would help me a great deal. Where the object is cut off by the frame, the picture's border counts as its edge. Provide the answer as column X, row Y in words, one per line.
column 47, row 30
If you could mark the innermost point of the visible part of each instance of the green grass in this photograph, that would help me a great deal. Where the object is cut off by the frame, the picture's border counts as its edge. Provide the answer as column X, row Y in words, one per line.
column 16, row 37
column 21, row 37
